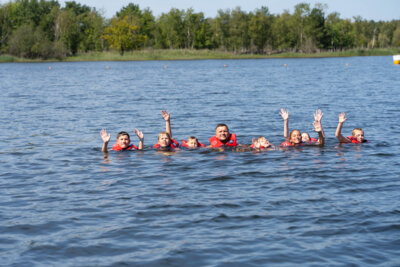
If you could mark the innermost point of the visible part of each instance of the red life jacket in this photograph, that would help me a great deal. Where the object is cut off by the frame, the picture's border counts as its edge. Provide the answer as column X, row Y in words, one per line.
column 184, row 144
column 287, row 143
column 313, row 140
column 215, row 142
column 261, row 147
column 174, row 144
column 118, row 148
column 355, row 141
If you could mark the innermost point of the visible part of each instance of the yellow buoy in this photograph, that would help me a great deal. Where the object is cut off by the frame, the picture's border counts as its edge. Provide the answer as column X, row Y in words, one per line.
column 396, row 59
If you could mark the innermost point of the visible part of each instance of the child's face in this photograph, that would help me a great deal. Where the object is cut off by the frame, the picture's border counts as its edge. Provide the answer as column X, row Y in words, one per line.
column 192, row 143
column 263, row 142
column 123, row 141
column 359, row 135
column 164, row 140
column 295, row 137
column 305, row 137
column 222, row 133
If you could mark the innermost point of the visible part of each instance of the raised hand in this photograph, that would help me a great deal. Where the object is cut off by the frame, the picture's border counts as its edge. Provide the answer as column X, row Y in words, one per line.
column 342, row 117
column 284, row 114
column 165, row 115
column 317, row 126
column 106, row 137
column 139, row 134
column 318, row 115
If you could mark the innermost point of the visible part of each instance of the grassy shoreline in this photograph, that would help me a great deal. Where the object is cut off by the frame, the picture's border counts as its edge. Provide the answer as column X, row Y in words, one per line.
column 187, row 54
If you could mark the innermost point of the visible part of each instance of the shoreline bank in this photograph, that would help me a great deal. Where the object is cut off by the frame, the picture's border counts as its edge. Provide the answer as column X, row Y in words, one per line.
column 186, row 54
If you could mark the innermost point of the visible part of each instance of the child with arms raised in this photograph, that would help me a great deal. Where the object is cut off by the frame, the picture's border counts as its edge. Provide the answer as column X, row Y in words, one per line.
column 123, row 141
column 295, row 137
column 165, row 140
column 357, row 135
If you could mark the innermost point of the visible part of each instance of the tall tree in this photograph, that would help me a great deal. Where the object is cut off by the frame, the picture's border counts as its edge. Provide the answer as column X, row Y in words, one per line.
column 123, row 36
column 260, row 28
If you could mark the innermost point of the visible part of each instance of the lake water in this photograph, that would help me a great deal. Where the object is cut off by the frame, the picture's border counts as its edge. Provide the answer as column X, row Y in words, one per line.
column 64, row 204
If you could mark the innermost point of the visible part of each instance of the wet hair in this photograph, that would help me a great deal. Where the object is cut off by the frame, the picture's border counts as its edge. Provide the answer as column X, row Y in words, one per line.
column 260, row 137
column 222, row 125
column 162, row 133
column 356, row 129
column 192, row 138
column 123, row 133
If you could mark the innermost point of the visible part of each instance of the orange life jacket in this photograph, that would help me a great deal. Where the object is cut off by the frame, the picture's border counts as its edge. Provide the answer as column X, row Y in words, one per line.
column 184, row 144
column 118, row 148
column 355, row 141
column 261, row 147
column 287, row 143
column 215, row 142
column 173, row 144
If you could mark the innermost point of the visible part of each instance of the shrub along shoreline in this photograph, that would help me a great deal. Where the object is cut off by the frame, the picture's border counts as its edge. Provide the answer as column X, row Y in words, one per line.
column 192, row 54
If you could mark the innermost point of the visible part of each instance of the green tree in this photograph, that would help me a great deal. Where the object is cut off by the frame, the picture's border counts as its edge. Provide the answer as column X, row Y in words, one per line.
column 221, row 29
column 171, row 28
column 260, row 28
column 315, row 29
column 239, row 40
column 340, row 32
column 123, row 36
column 396, row 36
column 30, row 42
column 144, row 19
column 283, row 35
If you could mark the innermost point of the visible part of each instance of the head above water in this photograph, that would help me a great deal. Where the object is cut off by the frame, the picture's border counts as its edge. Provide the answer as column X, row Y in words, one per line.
column 358, row 133
column 295, row 137
column 123, row 139
column 164, row 139
column 222, row 132
column 262, row 142
column 192, row 142
column 305, row 137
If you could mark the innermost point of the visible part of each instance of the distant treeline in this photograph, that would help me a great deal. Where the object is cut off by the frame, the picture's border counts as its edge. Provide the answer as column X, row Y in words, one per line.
column 42, row 29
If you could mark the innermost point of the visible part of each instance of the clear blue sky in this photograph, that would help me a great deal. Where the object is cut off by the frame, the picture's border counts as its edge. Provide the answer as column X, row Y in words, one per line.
column 368, row 9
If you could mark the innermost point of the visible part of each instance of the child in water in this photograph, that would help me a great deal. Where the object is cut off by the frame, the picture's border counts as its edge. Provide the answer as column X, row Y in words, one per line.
column 123, row 141
column 305, row 137
column 192, row 142
column 223, row 137
column 357, row 135
column 295, row 137
column 261, row 143
column 165, row 140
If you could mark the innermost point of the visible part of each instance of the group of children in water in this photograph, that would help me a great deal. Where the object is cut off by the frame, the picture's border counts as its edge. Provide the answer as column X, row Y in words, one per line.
column 223, row 138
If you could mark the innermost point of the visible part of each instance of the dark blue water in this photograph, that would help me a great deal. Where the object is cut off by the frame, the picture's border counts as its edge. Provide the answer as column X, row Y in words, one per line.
column 64, row 204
